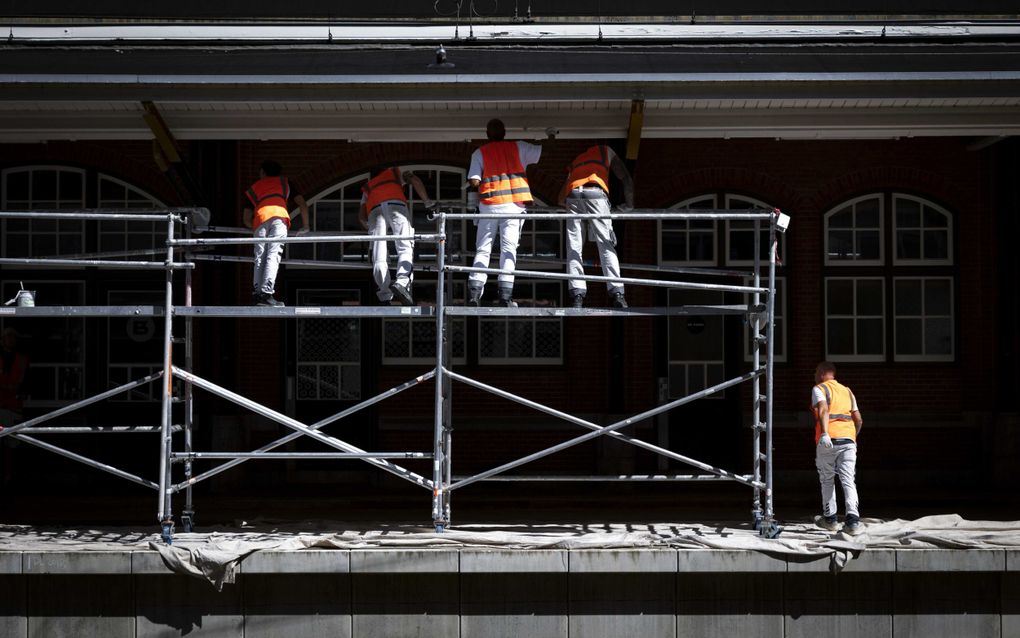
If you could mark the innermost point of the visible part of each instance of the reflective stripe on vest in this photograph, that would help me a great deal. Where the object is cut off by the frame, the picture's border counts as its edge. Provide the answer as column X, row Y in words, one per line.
column 840, row 401
column 269, row 196
column 384, row 187
column 503, row 178
column 594, row 159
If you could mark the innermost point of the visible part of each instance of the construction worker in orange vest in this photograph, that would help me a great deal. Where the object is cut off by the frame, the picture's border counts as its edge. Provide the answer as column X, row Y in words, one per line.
column 586, row 192
column 838, row 421
column 498, row 171
column 383, row 203
column 268, row 215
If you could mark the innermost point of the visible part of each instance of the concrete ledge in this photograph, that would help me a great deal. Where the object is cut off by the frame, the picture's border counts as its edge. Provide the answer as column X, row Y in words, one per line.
column 1013, row 560
column 584, row 561
column 405, row 561
column 306, row 561
column 76, row 563
column 729, row 560
column 488, row 561
column 10, row 562
column 148, row 563
column 951, row 560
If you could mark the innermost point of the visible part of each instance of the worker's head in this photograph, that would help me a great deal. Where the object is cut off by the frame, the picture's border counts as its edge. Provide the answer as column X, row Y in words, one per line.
column 270, row 168
column 495, row 130
column 825, row 371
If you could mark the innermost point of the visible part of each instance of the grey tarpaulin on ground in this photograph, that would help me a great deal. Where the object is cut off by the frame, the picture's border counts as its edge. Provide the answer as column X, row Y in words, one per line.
column 215, row 558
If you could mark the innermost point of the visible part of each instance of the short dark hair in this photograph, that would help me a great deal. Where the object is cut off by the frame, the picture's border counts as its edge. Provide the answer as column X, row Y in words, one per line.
column 272, row 168
column 826, row 367
column 495, row 130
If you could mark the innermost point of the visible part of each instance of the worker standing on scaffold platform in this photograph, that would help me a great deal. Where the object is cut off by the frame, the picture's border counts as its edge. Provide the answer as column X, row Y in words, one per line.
column 269, row 216
column 383, row 203
column 838, row 421
column 498, row 171
column 586, row 192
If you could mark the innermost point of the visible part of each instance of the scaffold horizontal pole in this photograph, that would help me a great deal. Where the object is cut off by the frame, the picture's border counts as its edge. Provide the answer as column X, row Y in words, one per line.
column 497, row 311
column 538, row 274
column 304, row 312
column 637, row 214
column 184, row 456
column 302, row 239
column 98, row 214
column 98, row 429
column 96, row 263
column 304, row 263
column 622, row 478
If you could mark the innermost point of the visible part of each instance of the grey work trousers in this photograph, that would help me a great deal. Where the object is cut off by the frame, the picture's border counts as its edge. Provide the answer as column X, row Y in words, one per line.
column 841, row 461
column 394, row 215
column 267, row 256
column 582, row 202
column 509, row 231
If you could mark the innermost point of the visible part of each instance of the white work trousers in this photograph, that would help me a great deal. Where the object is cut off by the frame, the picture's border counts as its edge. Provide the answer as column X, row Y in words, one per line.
column 393, row 215
column 509, row 238
column 841, row 461
column 267, row 256
column 602, row 229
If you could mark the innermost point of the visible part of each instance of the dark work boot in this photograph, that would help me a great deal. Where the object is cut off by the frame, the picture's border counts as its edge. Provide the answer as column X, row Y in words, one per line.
column 506, row 298
column 578, row 299
column 401, row 294
column 267, row 299
column 617, row 300
column 474, row 296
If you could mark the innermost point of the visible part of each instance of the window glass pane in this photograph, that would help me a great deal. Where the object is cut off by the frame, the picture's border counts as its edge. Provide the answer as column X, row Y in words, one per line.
column 868, row 246
column 16, row 187
column 842, row 219
column 867, row 213
column 840, row 297
column 841, row 244
column 934, row 219
column 908, row 297
column 677, row 380
column 742, row 245
column 869, row 297
column 44, row 185
column 869, row 336
column 908, row 213
column 547, row 339
column 396, row 339
column 908, row 336
column 520, row 338
column 840, row 336
column 674, row 247
column 938, row 336
column 908, row 244
column 71, row 188
column 492, row 339
column 937, row 295
column 936, row 244
column 702, row 246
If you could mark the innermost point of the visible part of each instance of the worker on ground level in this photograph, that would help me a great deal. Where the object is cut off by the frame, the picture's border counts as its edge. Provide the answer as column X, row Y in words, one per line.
column 498, row 170
column 383, row 203
column 586, row 192
column 268, row 214
column 837, row 423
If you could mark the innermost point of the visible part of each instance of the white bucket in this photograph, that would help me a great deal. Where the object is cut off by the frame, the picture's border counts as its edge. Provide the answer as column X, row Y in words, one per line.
column 25, row 298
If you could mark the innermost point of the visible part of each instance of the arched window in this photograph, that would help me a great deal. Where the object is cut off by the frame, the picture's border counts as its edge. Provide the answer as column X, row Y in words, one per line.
column 43, row 188
column 915, row 294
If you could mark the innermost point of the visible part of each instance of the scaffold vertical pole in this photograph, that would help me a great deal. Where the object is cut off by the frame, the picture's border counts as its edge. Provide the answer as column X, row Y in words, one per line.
column 439, row 495
column 447, row 400
column 769, row 527
column 165, row 516
column 188, row 514
column 755, row 330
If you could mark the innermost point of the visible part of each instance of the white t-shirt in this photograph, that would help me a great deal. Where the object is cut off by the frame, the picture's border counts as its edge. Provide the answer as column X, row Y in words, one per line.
column 818, row 396
column 528, row 153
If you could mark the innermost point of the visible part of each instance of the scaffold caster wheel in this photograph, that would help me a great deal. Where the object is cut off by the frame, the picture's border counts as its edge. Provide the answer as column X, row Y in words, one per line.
column 167, row 533
column 187, row 522
column 771, row 530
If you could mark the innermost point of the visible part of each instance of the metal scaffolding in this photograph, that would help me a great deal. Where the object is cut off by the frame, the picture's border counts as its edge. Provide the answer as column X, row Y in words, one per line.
column 759, row 314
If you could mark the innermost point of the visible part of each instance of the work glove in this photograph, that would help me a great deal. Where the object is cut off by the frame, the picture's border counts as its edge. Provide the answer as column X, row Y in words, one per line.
column 825, row 441
column 624, row 208
column 551, row 132
column 301, row 231
column 430, row 204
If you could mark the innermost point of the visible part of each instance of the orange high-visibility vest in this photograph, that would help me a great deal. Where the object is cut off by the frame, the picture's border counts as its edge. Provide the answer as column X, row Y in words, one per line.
column 269, row 196
column 590, row 167
column 384, row 187
column 840, row 401
column 9, row 382
column 503, row 177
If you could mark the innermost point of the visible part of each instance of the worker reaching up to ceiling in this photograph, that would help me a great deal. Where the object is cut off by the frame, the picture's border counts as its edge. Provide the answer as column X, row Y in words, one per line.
column 498, row 170
column 585, row 193
column 267, row 213
column 383, row 203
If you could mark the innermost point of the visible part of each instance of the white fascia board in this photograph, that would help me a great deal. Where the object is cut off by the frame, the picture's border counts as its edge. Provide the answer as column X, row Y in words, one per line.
column 491, row 33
